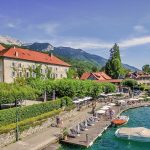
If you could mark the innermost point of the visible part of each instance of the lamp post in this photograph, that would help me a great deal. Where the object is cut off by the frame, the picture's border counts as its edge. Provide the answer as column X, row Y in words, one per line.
column 17, row 128
column 54, row 95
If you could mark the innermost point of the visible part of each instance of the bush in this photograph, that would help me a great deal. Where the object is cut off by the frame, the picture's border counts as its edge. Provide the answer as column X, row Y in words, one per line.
column 66, row 101
column 29, row 122
column 129, row 82
column 8, row 116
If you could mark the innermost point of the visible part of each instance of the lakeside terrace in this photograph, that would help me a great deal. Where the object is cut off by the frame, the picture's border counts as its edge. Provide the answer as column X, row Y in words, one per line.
column 46, row 137
column 87, row 137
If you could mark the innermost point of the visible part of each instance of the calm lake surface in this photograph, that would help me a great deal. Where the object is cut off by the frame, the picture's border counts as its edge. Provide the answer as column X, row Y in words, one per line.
column 139, row 117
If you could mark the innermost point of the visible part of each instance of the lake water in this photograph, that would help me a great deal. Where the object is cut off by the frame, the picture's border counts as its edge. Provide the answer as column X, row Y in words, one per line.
column 139, row 117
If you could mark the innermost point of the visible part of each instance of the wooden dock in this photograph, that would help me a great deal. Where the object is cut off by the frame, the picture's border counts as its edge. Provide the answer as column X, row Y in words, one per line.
column 87, row 137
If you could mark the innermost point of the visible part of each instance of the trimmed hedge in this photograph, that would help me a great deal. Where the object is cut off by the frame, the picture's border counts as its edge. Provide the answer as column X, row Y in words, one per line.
column 29, row 122
column 8, row 116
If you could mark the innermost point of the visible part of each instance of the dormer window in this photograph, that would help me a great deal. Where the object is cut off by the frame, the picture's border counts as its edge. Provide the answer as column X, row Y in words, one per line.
column 16, row 54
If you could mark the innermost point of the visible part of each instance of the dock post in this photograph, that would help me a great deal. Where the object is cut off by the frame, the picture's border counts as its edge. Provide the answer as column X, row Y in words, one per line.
column 87, row 138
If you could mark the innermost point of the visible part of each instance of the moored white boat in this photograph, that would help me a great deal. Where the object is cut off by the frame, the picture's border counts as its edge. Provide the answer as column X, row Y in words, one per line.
column 136, row 134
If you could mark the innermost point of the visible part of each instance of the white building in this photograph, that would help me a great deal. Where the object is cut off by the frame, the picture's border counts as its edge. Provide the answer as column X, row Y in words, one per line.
column 18, row 62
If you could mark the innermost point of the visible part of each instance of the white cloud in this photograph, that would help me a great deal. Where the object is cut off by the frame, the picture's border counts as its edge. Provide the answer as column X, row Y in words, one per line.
column 140, row 29
column 135, row 42
column 86, row 44
column 98, row 44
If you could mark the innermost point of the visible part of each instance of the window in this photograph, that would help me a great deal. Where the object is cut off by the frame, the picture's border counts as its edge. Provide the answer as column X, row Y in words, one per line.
column 61, row 76
column 19, row 65
column 56, row 69
column 20, row 74
column 13, row 64
column 41, row 71
column 33, row 74
column 33, row 67
column 13, row 74
column 27, row 75
column 66, row 70
column 56, row 75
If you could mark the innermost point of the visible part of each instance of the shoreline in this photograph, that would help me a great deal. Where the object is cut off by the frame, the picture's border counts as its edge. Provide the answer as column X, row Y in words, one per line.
column 80, row 141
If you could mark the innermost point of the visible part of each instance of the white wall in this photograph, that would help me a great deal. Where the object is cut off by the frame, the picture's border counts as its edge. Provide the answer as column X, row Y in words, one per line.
column 8, row 68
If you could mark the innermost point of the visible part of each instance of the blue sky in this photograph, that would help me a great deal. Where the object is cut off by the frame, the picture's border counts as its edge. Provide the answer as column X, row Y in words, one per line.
column 93, row 25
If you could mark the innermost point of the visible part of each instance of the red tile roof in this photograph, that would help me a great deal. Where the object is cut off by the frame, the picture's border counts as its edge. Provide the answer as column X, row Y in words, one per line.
column 100, row 77
column 97, row 75
column 85, row 75
column 25, row 54
column 1, row 47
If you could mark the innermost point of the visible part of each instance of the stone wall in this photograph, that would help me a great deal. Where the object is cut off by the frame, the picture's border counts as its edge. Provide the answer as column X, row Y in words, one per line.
column 8, row 138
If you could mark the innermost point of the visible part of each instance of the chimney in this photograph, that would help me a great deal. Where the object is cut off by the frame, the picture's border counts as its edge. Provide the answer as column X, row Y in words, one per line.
column 51, row 54
column 16, row 54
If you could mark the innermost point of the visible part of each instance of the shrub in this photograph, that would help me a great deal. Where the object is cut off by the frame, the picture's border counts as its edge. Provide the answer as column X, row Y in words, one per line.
column 8, row 116
column 66, row 101
column 29, row 122
column 129, row 82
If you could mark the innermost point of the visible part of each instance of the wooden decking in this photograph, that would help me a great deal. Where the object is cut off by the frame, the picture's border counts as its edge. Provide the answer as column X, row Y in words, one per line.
column 96, row 131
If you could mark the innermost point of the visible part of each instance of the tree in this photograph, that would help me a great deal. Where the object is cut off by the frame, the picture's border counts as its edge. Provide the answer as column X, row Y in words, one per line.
column 130, row 83
column 72, row 73
column 95, row 69
column 114, row 66
column 146, row 68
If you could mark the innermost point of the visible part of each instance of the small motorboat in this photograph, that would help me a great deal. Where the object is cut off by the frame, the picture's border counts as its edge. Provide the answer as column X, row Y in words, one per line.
column 120, row 120
column 140, row 134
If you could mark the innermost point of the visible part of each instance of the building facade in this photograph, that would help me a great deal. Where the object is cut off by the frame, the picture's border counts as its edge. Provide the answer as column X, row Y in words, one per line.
column 18, row 62
column 140, row 77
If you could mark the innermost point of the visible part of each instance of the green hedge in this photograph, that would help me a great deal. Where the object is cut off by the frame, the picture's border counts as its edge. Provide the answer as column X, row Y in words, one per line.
column 29, row 122
column 8, row 116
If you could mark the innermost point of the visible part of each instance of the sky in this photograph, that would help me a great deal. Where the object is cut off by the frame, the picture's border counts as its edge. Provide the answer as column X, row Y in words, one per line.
column 92, row 25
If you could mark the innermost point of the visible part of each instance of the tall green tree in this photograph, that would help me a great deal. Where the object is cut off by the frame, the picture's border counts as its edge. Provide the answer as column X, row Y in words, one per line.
column 114, row 66
column 95, row 69
column 146, row 68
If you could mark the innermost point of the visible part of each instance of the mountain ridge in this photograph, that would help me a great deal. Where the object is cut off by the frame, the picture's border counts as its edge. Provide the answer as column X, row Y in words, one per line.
column 65, row 52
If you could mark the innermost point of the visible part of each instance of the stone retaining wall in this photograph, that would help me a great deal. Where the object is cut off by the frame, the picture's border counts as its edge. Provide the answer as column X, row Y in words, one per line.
column 8, row 138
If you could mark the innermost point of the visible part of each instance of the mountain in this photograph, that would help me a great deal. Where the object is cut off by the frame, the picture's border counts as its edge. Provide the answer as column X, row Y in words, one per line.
column 131, row 67
column 66, row 53
column 10, row 41
column 44, row 47
column 79, row 54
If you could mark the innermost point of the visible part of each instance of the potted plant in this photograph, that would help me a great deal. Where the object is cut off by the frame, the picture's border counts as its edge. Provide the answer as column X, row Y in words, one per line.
column 65, row 133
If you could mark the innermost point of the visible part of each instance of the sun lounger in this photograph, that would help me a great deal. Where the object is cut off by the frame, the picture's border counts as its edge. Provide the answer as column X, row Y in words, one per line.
column 90, row 123
column 82, row 126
